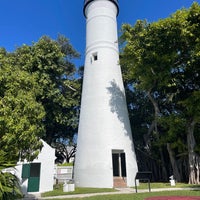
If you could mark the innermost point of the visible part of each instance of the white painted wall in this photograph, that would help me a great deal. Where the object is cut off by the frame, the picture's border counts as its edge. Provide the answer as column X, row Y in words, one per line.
column 104, row 124
column 47, row 159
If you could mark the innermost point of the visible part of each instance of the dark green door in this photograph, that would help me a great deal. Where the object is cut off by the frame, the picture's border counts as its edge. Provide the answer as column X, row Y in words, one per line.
column 34, row 179
column 33, row 184
column 25, row 171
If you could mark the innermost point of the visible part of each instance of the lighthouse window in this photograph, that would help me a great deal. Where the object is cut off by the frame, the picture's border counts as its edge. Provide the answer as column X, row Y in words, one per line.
column 95, row 56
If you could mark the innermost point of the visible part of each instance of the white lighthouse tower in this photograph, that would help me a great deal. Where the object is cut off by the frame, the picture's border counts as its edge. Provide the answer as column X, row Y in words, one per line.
column 105, row 152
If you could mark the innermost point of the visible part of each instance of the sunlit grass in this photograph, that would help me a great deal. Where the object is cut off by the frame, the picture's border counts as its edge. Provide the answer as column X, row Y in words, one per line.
column 166, row 185
column 138, row 196
column 58, row 191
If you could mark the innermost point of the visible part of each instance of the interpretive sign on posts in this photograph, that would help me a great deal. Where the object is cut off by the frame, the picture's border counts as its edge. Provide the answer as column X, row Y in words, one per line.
column 143, row 176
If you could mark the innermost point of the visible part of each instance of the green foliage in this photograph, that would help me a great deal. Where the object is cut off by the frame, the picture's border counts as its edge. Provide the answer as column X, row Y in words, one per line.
column 20, row 114
column 9, row 185
column 66, row 164
column 161, row 61
column 59, row 92
column 39, row 98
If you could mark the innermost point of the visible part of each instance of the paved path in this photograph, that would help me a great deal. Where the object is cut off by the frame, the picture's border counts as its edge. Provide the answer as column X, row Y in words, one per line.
column 119, row 191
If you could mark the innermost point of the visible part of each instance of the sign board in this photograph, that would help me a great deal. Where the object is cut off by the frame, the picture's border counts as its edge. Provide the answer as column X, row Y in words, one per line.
column 144, row 176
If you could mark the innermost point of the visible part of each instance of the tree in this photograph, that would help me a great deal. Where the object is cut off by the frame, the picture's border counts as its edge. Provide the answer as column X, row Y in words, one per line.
column 39, row 98
column 20, row 114
column 9, row 185
column 20, row 122
column 65, row 153
column 39, row 93
column 51, row 63
column 162, row 60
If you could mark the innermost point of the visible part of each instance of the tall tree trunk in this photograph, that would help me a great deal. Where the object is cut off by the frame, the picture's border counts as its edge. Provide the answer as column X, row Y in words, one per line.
column 192, row 157
column 155, row 124
column 173, row 163
column 164, row 170
column 198, row 168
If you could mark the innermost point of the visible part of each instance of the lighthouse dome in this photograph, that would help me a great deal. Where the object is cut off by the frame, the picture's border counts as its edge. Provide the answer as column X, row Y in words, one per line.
column 86, row 2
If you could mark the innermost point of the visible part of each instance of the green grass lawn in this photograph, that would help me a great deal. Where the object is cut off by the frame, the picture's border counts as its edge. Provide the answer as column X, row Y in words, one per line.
column 166, row 185
column 138, row 196
column 58, row 190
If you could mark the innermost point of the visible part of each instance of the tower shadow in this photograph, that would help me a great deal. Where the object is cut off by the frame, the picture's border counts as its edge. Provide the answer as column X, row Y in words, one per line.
column 118, row 105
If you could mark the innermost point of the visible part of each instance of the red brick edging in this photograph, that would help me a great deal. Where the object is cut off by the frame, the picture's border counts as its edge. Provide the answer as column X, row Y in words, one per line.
column 173, row 198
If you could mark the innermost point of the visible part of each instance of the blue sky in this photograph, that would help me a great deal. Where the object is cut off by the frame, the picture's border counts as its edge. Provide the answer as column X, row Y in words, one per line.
column 25, row 21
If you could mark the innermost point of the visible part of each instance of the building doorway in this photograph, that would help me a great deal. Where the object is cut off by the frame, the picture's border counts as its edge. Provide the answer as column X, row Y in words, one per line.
column 31, row 171
column 119, row 168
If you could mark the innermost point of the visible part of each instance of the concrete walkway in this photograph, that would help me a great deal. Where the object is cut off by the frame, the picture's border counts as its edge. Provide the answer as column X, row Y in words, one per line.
column 37, row 196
